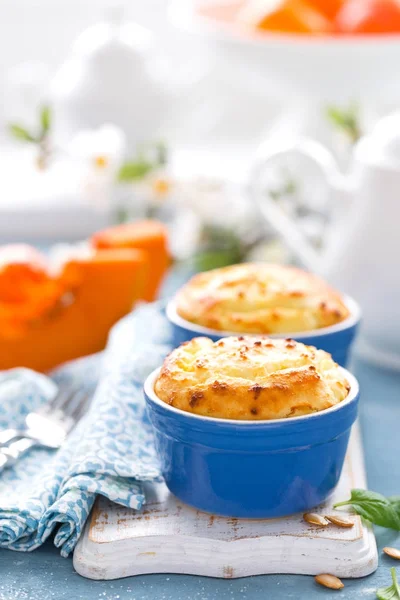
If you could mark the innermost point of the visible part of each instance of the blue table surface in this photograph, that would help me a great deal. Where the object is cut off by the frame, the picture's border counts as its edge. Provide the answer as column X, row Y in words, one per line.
column 44, row 575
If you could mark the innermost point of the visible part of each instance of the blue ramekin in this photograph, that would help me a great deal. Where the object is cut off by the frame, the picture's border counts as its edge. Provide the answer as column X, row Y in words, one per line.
column 336, row 339
column 252, row 469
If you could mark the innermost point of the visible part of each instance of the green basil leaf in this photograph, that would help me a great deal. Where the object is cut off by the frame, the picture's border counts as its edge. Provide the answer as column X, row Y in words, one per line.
column 392, row 592
column 20, row 133
column 45, row 119
column 374, row 507
column 395, row 502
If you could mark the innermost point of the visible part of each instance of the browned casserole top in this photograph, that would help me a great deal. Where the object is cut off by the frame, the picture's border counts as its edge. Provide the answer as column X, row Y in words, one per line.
column 260, row 298
column 250, row 378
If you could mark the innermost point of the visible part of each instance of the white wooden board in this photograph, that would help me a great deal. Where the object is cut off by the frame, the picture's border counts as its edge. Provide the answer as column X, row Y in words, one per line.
column 170, row 537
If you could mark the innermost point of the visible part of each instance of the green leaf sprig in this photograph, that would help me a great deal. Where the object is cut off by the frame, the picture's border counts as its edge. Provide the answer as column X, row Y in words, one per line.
column 45, row 120
column 20, row 132
column 346, row 120
column 288, row 187
column 375, row 507
column 219, row 247
column 392, row 592
column 39, row 137
column 134, row 170
column 147, row 159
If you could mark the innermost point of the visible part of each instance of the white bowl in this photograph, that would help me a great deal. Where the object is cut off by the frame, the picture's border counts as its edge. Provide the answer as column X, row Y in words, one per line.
column 328, row 67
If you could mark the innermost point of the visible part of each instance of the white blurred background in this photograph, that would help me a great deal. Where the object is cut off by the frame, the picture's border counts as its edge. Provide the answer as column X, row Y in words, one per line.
column 214, row 116
column 101, row 124
column 212, row 105
column 42, row 32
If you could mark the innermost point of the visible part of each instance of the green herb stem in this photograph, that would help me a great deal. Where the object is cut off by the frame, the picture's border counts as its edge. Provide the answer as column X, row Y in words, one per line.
column 395, row 582
column 392, row 592
column 344, row 503
column 374, row 508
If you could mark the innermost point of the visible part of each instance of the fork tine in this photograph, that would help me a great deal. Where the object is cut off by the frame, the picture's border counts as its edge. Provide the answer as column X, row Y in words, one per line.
column 82, row 407
column 72, row 402
column 80, row 410
column 61, row 398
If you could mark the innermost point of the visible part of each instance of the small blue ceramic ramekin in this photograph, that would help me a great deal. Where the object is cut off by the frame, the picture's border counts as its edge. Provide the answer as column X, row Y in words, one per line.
column 336, row 339
column 252, row 469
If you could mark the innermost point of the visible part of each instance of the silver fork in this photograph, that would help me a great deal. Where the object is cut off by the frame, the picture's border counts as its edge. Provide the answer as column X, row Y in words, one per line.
column 47, row 427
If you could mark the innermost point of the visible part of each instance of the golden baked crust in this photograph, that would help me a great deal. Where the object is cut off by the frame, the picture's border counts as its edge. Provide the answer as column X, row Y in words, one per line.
column 260, row 298
column 250, row 378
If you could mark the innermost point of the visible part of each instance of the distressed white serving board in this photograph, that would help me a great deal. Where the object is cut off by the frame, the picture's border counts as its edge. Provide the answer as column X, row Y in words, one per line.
column 170, row 537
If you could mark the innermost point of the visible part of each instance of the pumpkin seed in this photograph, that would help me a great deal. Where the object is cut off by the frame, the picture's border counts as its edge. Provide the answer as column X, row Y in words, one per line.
column 392, row 552
column 315, row 519
column 340, row 521
column 329, row 581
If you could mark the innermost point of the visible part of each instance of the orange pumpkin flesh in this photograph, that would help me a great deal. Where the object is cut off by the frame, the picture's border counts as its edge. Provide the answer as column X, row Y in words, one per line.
column 96, row 293
column 26, row 289
column 22, row 268
column 149, row 236
column 48, row 319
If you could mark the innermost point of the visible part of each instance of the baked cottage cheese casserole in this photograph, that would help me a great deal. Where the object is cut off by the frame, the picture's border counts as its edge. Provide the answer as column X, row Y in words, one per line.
column 250, row 378
column 221, row 415
column 260, row 298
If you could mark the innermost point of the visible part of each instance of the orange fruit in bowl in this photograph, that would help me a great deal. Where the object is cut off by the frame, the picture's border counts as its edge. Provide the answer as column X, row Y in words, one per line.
column 285, row 16
column 219, row 11
column 328, row 8
column 369, row 17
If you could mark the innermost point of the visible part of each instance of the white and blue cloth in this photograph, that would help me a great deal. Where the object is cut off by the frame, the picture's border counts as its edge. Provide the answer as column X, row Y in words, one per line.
column 110, row 452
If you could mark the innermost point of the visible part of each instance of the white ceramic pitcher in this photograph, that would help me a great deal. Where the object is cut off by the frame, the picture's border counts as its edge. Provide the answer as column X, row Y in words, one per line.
column 362, row 250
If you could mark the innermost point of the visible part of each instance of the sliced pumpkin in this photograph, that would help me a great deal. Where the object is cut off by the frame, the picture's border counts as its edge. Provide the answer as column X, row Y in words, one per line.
column 149, row 236
column 96, row 292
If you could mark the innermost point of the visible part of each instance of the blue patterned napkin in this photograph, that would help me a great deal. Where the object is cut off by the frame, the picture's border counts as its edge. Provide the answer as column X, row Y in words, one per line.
column 110, row 452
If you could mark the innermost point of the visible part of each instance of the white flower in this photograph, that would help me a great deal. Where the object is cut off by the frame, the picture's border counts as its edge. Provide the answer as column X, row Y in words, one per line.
column 217, row 202
column 102, row 149
column 99, row 153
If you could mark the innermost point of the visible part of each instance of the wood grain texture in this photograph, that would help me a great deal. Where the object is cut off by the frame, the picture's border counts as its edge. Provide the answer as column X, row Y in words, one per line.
column 170, row 537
